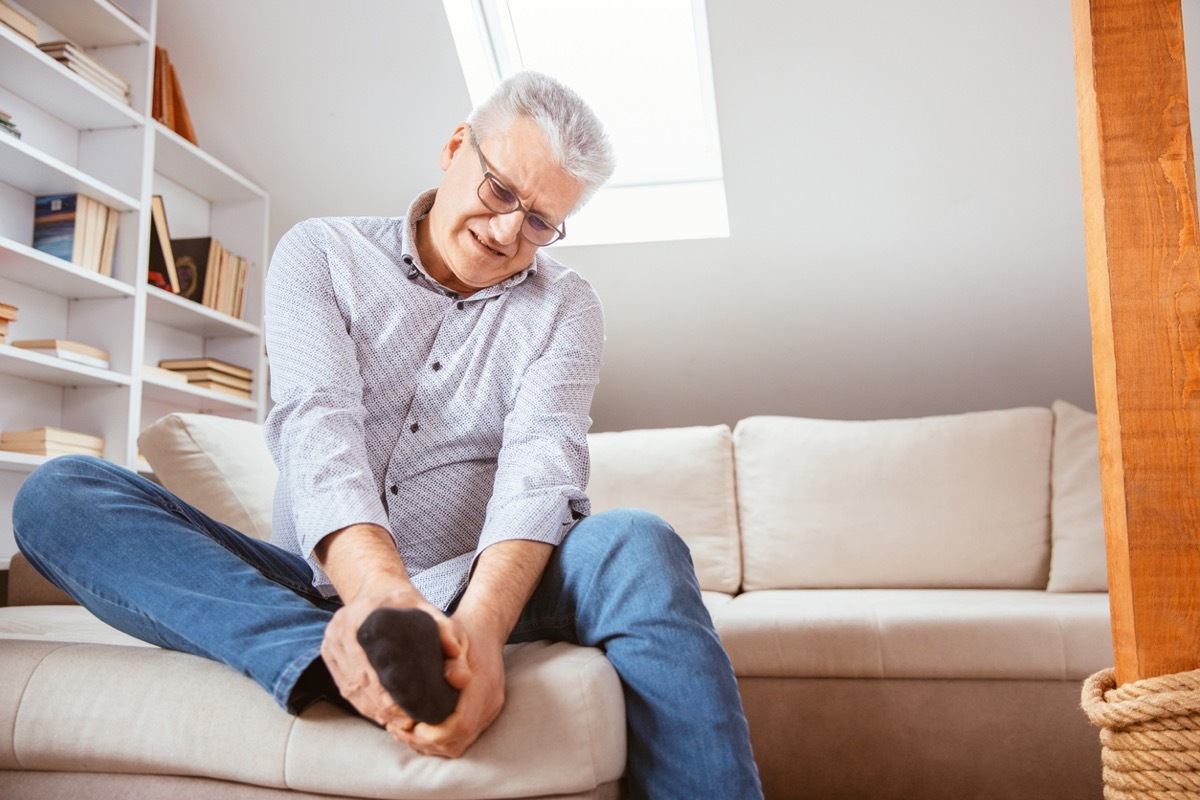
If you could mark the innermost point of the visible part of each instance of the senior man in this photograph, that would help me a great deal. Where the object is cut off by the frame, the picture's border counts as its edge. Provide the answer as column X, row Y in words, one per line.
column 432, row 376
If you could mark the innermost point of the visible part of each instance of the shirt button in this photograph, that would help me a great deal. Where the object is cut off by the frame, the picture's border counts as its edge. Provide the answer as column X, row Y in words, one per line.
column 437, row 365
column 412, row 273
column 461, row 305
column 414, row 427
column 395, row 489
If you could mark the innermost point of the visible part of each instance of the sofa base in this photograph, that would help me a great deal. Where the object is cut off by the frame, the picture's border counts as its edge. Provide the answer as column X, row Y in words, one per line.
column 881, row 739
column 108, row 786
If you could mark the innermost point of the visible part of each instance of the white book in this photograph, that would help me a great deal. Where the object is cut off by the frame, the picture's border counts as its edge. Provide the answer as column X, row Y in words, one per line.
column 70, row 355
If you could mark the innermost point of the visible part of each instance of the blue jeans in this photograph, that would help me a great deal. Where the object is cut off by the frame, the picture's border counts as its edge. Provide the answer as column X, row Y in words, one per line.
column 152, row 566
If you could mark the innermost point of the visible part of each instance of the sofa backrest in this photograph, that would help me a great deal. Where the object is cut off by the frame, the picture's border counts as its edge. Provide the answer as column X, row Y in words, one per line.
column 685, row 475
column 222, row 467
column 957, row 501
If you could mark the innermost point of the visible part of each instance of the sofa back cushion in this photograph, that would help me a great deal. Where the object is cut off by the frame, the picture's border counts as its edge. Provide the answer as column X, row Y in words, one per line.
column 1077, row 559
column 685, row 475
column 219, row 465
column 937, row 502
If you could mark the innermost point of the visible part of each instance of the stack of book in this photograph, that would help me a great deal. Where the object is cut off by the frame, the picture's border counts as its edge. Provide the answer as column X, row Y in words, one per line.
column 18, row 22
column 213, row 374
column 66, row 350
column 8, row 313
column 51, row 442
column 7, row 125
column 75, row 59
column 167, row 105
column 211, row 275
column 76, row 228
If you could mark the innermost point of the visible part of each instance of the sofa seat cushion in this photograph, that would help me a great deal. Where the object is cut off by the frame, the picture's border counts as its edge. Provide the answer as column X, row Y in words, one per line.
column 86, row 707
column 930, row 633
column 950, row 502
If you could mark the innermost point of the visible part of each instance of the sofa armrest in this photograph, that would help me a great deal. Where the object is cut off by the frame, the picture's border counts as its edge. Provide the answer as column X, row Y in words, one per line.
column 27, row 587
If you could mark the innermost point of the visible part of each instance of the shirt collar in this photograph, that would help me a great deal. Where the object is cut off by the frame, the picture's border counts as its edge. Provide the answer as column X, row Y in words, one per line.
column 417, row 211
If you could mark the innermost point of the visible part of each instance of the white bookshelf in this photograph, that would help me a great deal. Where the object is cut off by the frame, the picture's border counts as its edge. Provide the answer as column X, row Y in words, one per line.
column 79, row 139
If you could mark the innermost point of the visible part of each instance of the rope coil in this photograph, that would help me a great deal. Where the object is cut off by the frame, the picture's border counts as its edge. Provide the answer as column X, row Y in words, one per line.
column 1150, row 735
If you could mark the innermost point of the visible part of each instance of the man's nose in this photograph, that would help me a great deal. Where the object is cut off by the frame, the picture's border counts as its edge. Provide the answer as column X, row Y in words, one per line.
column 507, row 227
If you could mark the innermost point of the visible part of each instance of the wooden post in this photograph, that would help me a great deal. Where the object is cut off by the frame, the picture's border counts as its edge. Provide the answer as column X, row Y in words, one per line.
column 1139, row 191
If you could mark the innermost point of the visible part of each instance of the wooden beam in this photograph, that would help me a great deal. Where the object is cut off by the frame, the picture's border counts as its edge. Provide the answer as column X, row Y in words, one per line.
column 1139, row 190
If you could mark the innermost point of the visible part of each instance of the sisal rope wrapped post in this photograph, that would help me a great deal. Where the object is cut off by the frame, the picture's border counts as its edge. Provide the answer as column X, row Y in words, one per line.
column 1150, row 735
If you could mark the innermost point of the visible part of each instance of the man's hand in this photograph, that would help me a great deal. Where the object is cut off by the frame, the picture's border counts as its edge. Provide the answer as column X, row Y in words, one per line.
column 369, row 574
column 504, row 578
column 480, row 678
column 352, row 671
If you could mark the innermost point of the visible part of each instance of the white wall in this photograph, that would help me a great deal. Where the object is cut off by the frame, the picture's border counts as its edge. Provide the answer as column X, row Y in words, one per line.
column 903, row 183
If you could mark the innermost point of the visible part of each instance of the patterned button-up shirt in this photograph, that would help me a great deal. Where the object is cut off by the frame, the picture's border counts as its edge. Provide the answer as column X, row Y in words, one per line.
column 454, row 423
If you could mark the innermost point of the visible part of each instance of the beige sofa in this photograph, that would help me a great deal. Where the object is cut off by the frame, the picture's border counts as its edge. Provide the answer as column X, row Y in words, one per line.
column 910, row 606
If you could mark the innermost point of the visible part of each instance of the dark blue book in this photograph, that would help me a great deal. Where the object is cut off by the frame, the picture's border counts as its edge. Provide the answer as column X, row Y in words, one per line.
column 57, row 228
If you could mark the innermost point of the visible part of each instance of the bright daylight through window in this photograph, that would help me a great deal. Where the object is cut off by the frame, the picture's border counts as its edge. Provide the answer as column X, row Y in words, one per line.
column 644, row 66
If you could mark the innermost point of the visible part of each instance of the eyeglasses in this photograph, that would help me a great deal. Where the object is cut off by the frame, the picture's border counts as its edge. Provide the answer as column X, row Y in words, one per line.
column 502, row 200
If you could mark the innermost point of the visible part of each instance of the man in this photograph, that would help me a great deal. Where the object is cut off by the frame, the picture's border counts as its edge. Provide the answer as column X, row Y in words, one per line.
column 432, row 377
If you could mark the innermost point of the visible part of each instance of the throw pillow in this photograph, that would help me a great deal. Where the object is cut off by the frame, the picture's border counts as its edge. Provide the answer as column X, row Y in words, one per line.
column 219, row 465
column 1077, row 556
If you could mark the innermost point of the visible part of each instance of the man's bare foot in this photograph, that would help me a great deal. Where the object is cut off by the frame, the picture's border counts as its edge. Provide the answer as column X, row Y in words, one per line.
column 405, row 648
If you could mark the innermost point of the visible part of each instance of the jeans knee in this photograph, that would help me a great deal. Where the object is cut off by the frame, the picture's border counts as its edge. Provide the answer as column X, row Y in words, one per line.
column 643, row 538
column 55, row 485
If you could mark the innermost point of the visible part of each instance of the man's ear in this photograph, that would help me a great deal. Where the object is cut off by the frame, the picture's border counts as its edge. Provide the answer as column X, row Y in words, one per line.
column 457, row 140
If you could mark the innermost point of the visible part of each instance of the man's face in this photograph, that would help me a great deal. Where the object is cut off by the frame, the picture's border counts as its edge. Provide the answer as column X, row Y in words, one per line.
column 464, row 245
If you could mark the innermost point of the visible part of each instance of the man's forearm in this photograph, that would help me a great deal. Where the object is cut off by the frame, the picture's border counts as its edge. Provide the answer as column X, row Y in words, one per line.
column 504, row 579
column 362, row 560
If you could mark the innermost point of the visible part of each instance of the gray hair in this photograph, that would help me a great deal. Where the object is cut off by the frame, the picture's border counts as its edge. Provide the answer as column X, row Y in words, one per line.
column 573, row 131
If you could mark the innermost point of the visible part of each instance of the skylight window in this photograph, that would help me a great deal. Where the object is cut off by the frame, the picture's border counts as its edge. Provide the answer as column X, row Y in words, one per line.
column 644, row 66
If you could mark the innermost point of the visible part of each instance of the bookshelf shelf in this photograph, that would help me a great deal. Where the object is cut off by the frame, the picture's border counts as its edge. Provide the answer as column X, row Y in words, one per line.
column 191, row 398
column 30, row 73
column 186, row 315
column 23, row 264
column 181, row 161
column 46, row 369
column 90, row 23
column 19, row 462
column 79, row 139
column 36, row 173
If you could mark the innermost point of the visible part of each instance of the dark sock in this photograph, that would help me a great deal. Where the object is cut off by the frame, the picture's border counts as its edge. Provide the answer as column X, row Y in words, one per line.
column 405, row 649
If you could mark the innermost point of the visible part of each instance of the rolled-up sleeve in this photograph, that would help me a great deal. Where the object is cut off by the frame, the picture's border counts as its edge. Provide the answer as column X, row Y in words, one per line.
column 315, row 431
column 542, row 468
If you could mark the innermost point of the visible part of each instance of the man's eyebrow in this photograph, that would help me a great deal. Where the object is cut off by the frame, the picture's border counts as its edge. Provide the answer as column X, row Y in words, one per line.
column 508, row 185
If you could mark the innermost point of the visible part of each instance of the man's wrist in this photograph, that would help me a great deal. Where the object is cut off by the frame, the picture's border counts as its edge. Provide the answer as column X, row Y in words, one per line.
column 362, row 561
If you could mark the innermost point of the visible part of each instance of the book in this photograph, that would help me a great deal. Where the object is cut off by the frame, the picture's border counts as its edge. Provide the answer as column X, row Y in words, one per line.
column 7, row 125
column 162, row 257
column 206, row 363
column 195, row 260
column 215, row 376
column 109, row 249
column 53, row 450
column 167, row 103
column 161, row 374
column 75, row 228
column 57, row 227
column 67, row 351
column 7, row 311
column 18, row 22
column 213, row 386
column 74, row 58
column 49, row 435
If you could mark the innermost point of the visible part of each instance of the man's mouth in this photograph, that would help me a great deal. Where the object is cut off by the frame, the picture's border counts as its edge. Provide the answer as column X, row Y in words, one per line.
column 486, row 245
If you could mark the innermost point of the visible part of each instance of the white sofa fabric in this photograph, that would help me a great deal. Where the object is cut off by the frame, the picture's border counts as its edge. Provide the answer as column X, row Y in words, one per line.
column 881, row 565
